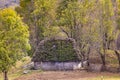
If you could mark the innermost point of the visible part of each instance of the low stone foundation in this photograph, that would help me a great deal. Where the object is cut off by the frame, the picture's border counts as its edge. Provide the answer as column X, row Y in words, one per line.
column 57, row 65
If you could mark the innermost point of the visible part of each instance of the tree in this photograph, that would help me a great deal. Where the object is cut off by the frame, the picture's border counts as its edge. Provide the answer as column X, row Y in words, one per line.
column 25, row 10
column 117, row 42
column 74, row 20
column 105, row 28
column 14, row 39
column 118, row 13
column 40, row 18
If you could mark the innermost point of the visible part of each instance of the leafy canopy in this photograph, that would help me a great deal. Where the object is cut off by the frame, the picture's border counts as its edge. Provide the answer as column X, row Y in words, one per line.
column 14, row 37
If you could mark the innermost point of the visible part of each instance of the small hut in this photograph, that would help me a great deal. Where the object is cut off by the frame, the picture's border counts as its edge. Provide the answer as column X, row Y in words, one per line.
column 56, row 54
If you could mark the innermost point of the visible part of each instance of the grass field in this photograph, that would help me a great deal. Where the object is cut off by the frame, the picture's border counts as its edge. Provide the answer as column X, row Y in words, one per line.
column 69, row 75
column 17, row 74
column 62, row 75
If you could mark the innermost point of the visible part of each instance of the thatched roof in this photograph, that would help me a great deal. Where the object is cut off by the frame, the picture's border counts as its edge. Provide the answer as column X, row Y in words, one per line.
column 38, row 49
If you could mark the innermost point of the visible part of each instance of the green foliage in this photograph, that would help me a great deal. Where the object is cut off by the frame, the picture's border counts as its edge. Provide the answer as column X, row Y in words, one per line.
column 24, row 3
column 105, row 28
column 40, row 16
column 118, row 12
column 14, row 39
column 44, row 14
column 51, row 32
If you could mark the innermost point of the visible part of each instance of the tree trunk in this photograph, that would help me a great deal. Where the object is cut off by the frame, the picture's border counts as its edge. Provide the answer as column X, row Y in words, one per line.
column 5, row 75
column 118, row 56
column 103, row 62
column 88, row 63
column 82, row 59
column 82, row 63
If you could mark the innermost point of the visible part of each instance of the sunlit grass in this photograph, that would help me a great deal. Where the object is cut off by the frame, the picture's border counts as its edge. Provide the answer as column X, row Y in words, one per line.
column 17, row 70
column 106, row 78
column 20, row 73
column 11, row 76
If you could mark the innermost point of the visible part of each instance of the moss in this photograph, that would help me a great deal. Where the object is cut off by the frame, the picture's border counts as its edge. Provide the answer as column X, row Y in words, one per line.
column 57, row 50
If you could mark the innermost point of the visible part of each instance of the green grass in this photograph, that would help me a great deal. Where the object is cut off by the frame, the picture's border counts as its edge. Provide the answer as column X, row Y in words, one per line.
column 107, row 78
column 17, row 70
column 11, row 76
column 19, row 73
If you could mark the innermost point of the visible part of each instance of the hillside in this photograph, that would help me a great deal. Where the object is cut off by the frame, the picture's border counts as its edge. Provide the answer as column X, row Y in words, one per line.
column 8, row 3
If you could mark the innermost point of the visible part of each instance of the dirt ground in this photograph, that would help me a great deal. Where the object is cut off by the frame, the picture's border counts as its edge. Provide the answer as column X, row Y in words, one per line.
column 64, row 75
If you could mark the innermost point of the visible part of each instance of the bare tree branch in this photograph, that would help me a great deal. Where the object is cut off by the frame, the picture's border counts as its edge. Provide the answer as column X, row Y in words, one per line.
column 64, row 31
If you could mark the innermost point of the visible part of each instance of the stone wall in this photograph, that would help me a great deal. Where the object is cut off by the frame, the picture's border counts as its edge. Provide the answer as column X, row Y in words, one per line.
column 57, row 65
